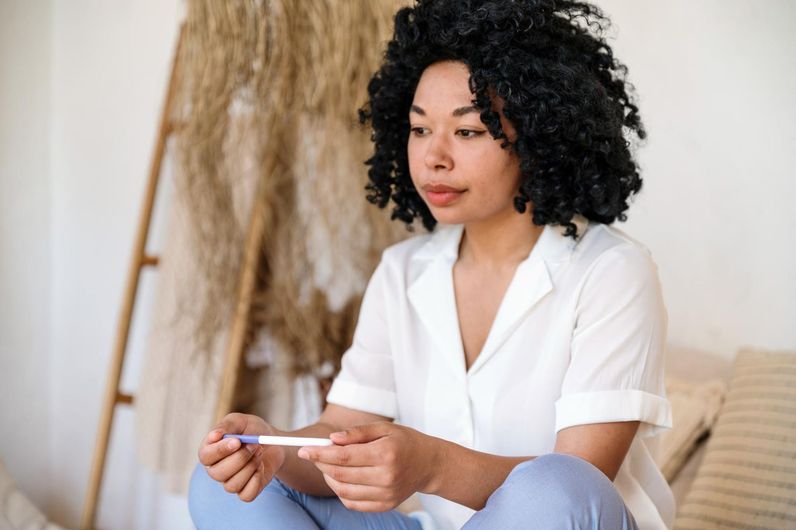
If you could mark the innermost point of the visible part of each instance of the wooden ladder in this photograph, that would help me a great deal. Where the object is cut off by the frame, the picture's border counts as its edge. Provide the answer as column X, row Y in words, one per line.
column 141, row 260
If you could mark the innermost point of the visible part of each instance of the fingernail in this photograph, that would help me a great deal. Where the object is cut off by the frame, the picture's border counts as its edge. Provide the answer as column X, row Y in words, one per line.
column 303, row 453
column 338, row 434
column 231, row 444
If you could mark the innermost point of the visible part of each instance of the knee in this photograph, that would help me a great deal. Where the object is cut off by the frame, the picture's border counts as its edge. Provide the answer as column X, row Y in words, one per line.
column 206, row 494
column 212, row 507
column 203, row 494
column 569, row 479
column 201, row 484
column 552, row 489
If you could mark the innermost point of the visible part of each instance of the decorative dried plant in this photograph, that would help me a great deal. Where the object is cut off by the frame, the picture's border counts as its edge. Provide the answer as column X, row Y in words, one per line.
column 272, row 86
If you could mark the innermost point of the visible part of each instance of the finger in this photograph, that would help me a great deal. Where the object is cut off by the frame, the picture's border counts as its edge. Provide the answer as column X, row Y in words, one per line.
column 357, row 492
column 211, row 438
column 368, row 506
column 213, row 453
column 234, row 423
column 371, row 476
column 237, row 482
column 353, row 455
column 214, row 436
column 362, row 433
column 255, row 484
column 229, row 466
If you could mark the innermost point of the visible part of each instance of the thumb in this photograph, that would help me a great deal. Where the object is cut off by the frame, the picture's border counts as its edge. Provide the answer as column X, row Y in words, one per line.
column 233, row 423
column 362, row 433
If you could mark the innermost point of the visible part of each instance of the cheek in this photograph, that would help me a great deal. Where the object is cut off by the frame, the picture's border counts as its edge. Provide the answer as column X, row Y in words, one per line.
column 415, row 160
column 511, row 172
column 499, row 175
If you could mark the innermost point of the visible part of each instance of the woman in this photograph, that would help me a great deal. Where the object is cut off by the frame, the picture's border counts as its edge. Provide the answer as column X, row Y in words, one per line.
column 507, row 364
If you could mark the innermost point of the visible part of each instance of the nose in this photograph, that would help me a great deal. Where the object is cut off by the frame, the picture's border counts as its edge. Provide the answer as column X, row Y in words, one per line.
column 438, row 154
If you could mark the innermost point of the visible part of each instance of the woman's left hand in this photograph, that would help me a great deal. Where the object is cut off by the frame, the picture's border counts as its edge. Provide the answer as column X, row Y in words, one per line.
column 375, row 467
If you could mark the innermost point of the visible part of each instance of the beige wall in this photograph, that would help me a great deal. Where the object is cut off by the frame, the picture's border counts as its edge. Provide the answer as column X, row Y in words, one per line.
column 111, row 62
column 25, row 241
column 717, row 88
column 81, row 85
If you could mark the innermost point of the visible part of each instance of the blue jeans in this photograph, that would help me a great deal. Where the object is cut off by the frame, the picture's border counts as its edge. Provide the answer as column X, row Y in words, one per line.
column 550, row 492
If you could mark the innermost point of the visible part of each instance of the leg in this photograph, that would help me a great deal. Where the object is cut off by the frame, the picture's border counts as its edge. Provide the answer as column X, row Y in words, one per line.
column 212, row 508
column 554, row 492
column 279, row 507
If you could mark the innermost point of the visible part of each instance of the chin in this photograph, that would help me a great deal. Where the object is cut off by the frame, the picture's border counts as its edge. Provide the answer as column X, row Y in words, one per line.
column 449, row 216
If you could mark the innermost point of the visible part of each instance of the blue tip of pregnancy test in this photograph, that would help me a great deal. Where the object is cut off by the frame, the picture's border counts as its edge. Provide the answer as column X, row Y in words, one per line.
column 244, row 438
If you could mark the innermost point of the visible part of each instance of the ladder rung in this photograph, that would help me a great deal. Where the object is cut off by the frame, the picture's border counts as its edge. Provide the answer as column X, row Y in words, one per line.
column 151, row 261
column 127, row 399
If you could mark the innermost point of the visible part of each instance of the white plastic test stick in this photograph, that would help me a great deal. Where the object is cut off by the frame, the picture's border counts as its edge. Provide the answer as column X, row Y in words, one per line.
column 293, row 441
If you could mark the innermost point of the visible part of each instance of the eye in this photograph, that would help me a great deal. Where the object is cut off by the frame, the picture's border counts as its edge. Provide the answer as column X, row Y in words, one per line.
column 419, row 131
column 469, row 133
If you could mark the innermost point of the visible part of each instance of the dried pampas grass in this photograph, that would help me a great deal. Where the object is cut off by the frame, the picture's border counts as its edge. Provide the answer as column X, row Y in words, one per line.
column 288, row 76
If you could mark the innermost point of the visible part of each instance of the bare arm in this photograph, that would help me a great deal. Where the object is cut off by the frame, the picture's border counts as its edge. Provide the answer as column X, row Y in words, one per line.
column 604, row 445
column 469, row 477
column 374, row 467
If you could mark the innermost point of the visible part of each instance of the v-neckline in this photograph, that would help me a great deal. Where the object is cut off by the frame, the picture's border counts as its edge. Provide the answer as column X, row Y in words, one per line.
column 489, row 336
column 432, row 295
column 491, row 330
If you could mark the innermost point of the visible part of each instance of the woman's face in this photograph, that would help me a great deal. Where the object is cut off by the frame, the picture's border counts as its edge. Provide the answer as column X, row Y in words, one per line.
column 459, row 170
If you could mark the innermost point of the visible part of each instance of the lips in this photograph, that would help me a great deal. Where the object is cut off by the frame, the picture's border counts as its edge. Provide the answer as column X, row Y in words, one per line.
column 441, row 188
column 442, row 195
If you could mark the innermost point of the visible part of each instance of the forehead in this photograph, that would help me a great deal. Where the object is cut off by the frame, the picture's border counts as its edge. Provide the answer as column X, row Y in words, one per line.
column 444, row 84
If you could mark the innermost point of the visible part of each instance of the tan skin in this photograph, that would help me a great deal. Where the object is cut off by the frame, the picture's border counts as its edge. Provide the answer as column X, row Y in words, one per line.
column 375, row 464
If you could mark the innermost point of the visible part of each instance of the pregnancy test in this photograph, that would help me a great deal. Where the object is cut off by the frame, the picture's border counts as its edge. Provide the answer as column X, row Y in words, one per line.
column 295, row 441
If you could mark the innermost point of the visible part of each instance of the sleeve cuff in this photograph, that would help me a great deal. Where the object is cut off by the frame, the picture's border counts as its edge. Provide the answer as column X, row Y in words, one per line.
column 653, row 411
column 363, row 398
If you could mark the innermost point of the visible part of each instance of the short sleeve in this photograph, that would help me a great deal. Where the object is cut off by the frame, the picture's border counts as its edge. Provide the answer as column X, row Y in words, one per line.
column 366, row 381
column 616, row 366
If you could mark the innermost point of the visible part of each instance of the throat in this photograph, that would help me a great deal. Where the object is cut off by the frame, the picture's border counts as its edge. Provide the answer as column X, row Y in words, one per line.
column 495, row 250
column 479, row 296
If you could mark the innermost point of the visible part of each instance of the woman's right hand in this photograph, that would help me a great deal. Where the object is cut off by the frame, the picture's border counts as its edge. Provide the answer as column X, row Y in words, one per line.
column 243, row 469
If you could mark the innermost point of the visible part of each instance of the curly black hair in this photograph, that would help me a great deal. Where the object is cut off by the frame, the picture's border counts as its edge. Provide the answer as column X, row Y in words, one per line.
column 563, row 90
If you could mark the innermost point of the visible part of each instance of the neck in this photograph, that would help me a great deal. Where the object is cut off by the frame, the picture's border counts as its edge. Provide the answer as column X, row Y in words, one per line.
column 499, row 242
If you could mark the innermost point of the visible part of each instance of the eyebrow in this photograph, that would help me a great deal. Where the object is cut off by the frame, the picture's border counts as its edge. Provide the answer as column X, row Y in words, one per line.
column 461, row 111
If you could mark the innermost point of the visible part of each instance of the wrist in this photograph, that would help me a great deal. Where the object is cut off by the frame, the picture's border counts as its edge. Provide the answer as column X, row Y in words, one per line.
column 281, row 459
column 438, row 456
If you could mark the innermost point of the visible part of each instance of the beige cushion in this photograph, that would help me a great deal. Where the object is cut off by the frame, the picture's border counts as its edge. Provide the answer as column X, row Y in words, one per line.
column 695, row 365
column 695, row 407
column 748, row 476
column 696, row 382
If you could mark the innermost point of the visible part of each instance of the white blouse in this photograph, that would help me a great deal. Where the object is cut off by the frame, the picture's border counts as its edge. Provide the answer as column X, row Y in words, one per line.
column 578, row 339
